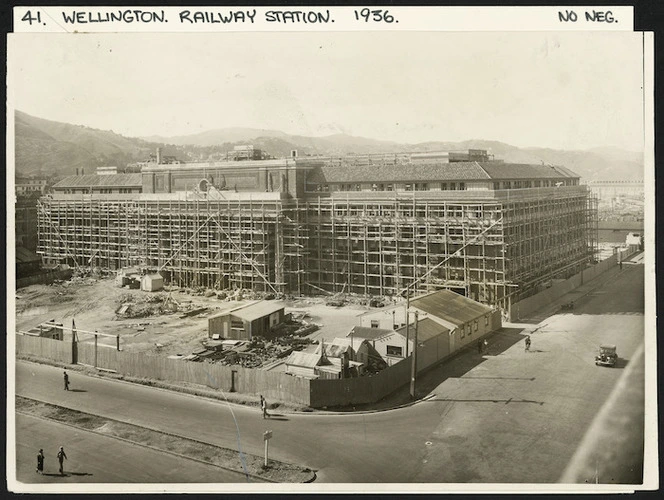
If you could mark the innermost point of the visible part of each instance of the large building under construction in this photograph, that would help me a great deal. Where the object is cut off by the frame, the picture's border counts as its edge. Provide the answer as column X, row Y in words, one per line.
column 376, row 224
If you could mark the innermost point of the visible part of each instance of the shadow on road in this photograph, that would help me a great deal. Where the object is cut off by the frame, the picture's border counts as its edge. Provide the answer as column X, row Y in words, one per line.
column 81, row 474
column 621, row 363
column 77, row 390
column 276, row 416
column 455, row 367
column 504, row 401
column 532, row 379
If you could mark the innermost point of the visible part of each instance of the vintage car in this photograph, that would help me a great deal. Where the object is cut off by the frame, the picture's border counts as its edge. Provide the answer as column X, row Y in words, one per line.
column 607, row 355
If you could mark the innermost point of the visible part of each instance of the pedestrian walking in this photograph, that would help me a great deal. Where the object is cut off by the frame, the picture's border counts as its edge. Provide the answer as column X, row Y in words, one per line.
column 486, row 345
column 62, row 456
column 40, row 462
column 66, row 382
column 479, row 347
column 264, row 407
column 528, row 343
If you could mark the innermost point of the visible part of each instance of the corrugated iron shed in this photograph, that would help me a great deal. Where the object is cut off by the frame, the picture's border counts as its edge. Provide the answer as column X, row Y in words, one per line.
column 426, row 329
column 257, row 310
column 450, row 306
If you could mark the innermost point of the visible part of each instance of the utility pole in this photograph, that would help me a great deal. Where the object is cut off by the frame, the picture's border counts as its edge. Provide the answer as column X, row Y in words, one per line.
column 413, row 368
column 407, row 319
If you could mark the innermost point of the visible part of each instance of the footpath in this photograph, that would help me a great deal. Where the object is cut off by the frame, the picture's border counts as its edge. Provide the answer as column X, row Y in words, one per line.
column 244, row 464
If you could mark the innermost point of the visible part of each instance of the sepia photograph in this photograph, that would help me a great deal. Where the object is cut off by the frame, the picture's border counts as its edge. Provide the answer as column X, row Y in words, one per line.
column 329, row 261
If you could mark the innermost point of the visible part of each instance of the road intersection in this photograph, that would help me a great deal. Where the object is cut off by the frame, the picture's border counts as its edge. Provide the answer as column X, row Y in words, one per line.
column 508, row 416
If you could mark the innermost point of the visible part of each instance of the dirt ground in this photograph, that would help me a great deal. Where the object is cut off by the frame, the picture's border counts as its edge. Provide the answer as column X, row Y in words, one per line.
column 93, row 302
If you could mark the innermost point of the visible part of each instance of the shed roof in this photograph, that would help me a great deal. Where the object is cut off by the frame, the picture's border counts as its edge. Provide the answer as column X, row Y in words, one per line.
column 257, row 310
column 426, row 329
column 304, row 359
column 368, row 333
column 154, row 276
column 336, row 348
column 450, row 306
column 117, row 180
column 23, row 255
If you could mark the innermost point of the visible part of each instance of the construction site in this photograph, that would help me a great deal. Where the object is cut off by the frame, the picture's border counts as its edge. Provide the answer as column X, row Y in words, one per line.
column 385, row 225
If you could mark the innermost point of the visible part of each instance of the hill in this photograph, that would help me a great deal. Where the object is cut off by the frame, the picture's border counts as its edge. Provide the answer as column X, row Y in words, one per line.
column 49, row 148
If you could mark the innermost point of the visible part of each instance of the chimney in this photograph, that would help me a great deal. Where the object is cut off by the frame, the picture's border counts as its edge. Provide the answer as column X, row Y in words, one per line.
column 76, row 170
column 158, row 156
column 82, row 172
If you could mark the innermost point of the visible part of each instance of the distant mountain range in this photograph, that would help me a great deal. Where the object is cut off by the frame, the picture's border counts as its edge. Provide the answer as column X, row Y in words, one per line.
column 54, row 149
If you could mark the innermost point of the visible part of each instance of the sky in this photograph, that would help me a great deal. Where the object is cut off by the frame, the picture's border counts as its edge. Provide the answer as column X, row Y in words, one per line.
column 564, row 90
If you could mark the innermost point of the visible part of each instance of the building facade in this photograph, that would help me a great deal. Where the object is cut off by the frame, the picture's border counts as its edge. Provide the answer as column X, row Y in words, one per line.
column 490, row 230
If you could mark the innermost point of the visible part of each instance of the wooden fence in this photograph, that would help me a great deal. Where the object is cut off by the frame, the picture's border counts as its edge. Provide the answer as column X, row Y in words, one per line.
column 275, row 386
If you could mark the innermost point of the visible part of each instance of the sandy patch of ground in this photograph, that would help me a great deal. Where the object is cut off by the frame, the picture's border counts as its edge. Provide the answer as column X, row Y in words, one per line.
column 93, row 303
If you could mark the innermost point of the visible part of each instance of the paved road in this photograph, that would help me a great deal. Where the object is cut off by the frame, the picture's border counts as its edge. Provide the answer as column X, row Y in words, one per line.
column 509, row 416
column 92, row 458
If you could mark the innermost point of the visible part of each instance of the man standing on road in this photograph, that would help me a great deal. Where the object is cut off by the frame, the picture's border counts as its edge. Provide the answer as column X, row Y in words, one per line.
column 66, row 382
column 528, row 343
column 40, row 462
column 61, row 458
column 486, row 345
column 264, row 406
column 479, row 347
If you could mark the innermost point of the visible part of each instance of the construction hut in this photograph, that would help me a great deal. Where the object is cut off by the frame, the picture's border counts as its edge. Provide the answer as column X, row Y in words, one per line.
column 433, row 341
column 243, row 323
column 467, row 320
column 152, row 282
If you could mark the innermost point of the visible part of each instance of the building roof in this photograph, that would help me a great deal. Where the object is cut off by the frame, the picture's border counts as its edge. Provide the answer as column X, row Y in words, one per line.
column 450, row 306
column 336, row 348
column 426, row 329
column 24, row 256
column 397, row 173
column 435, row 171
column 105, row 181
column 154, row 276
column 499, row 170
column 304, row 359
column 256, row 310
column 368, row 333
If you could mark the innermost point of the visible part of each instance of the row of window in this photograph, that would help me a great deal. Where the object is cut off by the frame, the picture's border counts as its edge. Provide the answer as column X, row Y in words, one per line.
column 468, row 329
column 417, row 186
column 101, row 191
column 443, row 186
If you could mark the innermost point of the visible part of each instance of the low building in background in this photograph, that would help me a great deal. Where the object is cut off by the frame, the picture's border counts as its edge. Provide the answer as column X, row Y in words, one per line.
column 243, row 323
column 152, row 282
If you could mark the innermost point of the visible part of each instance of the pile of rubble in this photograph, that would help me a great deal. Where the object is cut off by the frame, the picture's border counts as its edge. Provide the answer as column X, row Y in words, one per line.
column 228, row 295
column 249, row 354
column 145, row 305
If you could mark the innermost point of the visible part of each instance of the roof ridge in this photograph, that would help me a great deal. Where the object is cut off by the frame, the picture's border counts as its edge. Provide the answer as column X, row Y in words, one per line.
column 483, row 170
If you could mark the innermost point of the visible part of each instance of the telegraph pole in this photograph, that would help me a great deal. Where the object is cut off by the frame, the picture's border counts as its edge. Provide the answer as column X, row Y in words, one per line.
column 413, row 368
